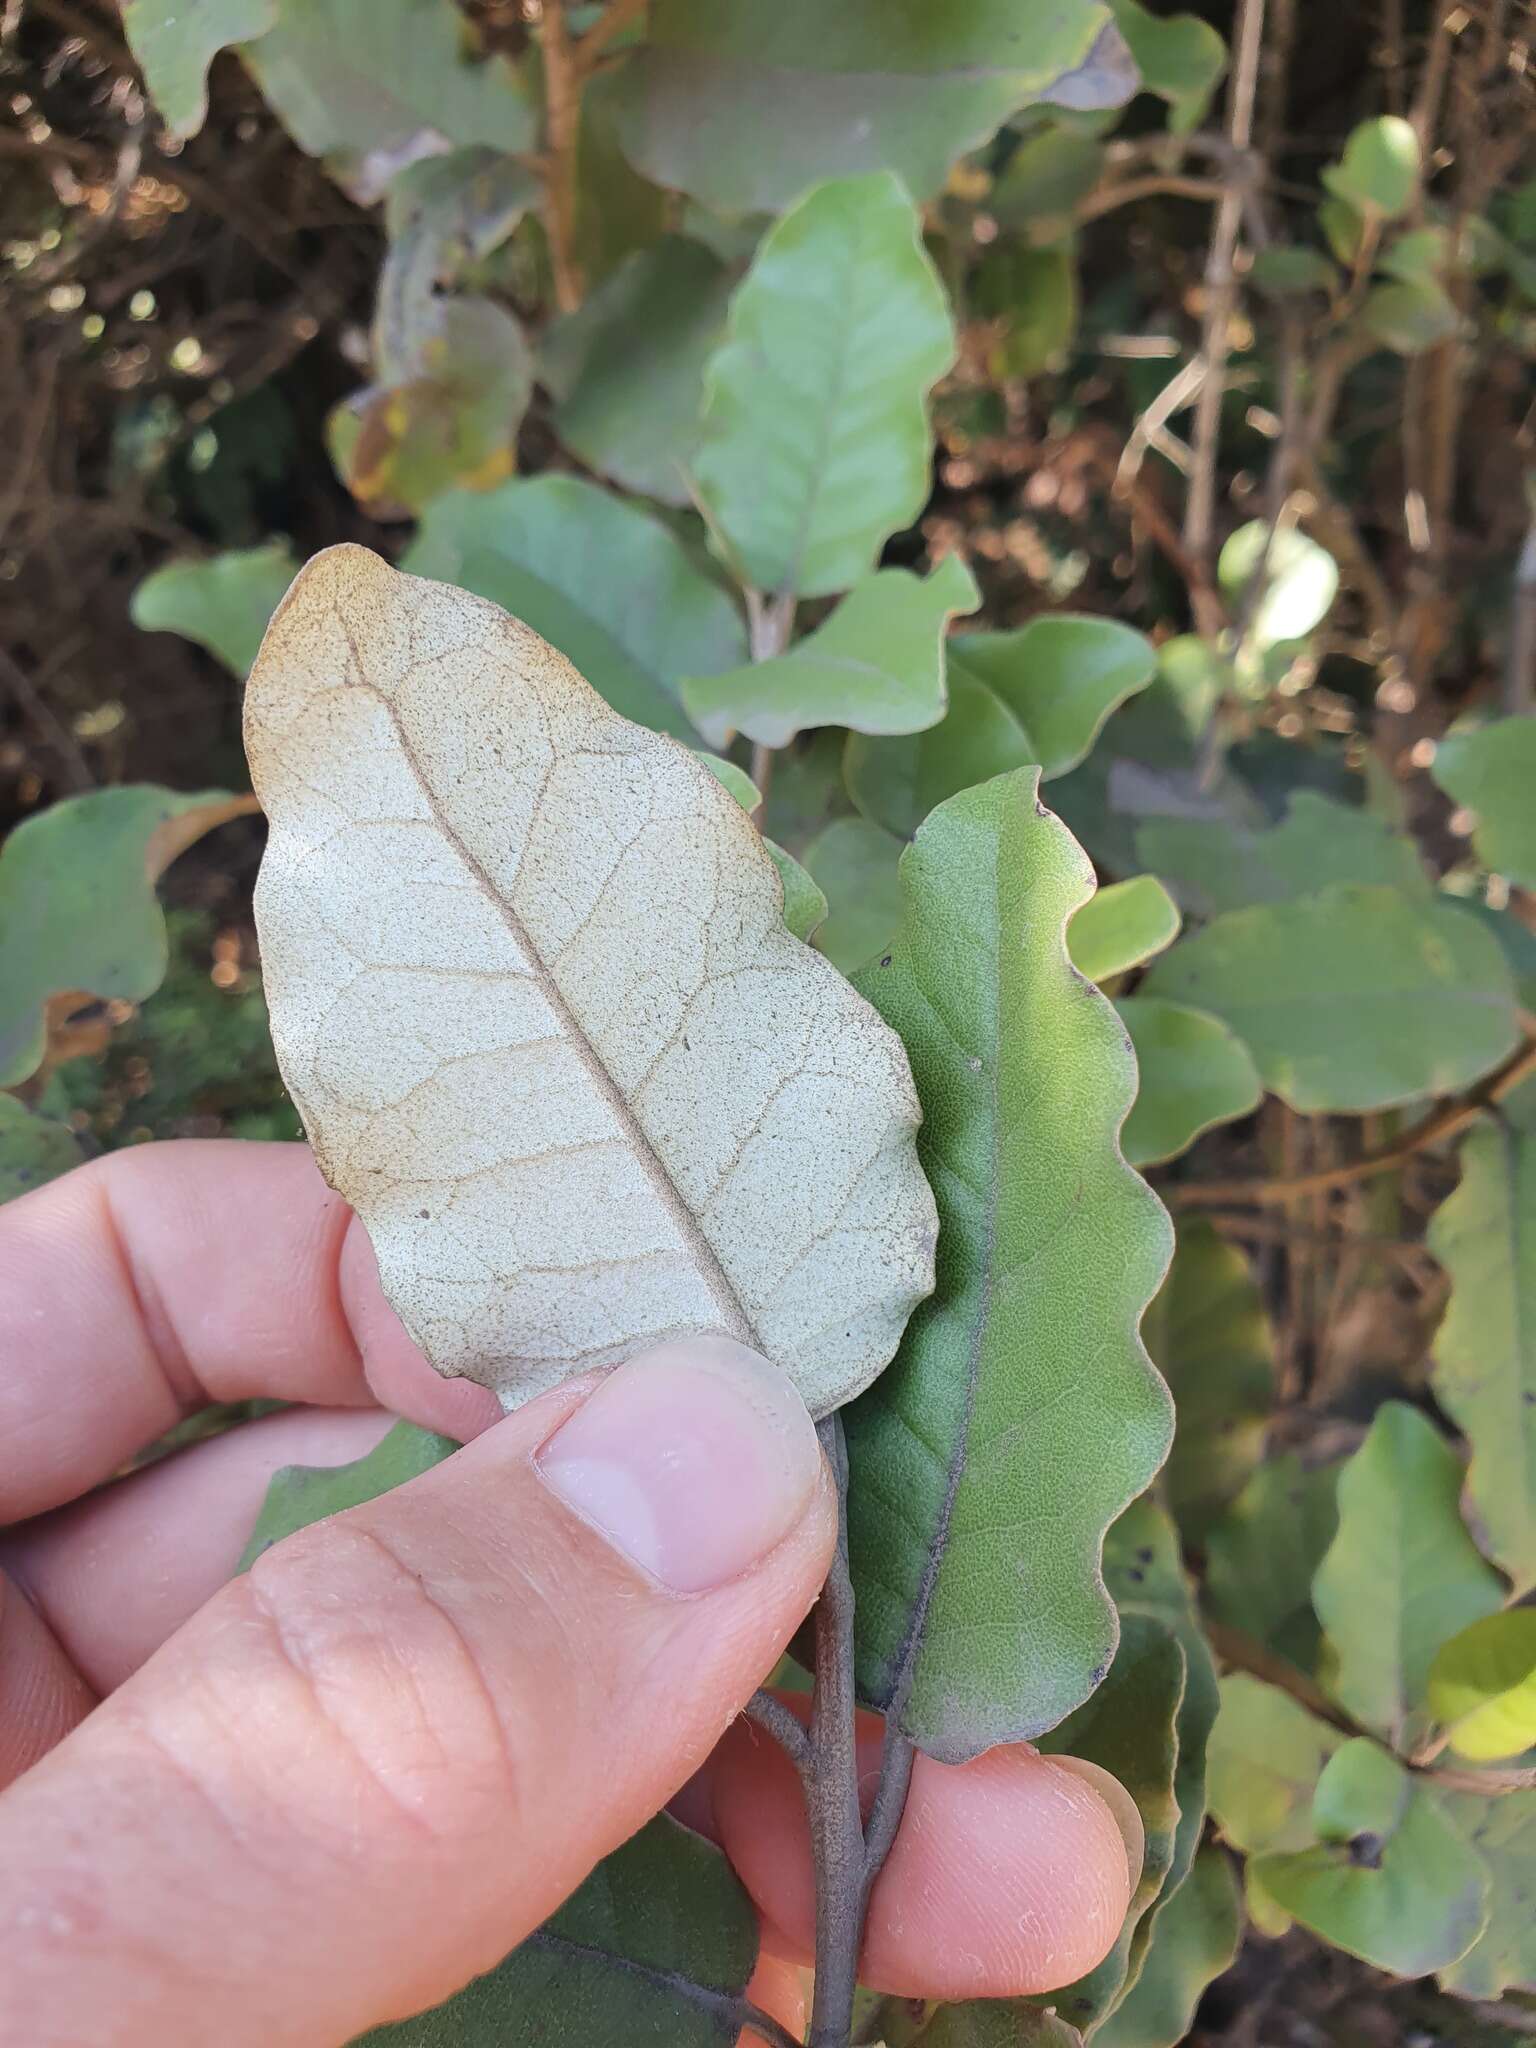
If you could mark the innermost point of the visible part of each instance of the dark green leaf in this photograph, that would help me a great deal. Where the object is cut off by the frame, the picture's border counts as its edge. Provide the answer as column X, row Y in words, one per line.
column 1194, row 1073
column 1491, row 771
column 1402, row 1575
column 876, row 665
column 1212, row 864
column 1282, row 270
column 1037, row 697
column 815, row 442
column 854, row 863
column 33, row 1149
column 1021, row 1399
column 299, row 1495
column 627, row 368
column 744, row 106
column 608, row 585
column 223, row 602
column 1031, row 294
column 1261, row 1557
column 1194, row 1939
column 1210, row 1338
column 1352, row 999
column 1043, row 181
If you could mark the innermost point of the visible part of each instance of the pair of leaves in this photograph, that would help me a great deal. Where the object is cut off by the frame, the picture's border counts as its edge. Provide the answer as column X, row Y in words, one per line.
column 532, row 992
column 742, row 107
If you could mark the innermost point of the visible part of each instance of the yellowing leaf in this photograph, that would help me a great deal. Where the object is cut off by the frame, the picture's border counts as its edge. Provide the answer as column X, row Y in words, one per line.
column 532, row 993
column 1482, row 1686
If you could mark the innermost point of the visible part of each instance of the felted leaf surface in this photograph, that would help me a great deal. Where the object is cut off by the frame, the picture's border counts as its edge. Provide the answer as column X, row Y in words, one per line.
column 33, row 1149
column 627, row 367
column 1194, row 1939
column 1352, row 999
column 1022, row 1414
column 1035, row 697
column 1485, row 1352
column 1210, row 1339
column 174, row 44
column 1194, row 1073
column 299, row 1495
column 1120, row 926
column 815, row 442
column 877, row 665
column 1213, row 864
column 744, row 105
column 1402, row 1576
column 611, row 587
column 805, row 907
column 1492, row 772
column 222, row 603
column 531, row 991
column 1482, row 1686
column 1502, row 1832
column 78, row 916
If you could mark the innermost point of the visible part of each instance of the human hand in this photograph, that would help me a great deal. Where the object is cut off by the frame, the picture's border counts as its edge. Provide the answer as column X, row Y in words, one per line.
column 327, row 1794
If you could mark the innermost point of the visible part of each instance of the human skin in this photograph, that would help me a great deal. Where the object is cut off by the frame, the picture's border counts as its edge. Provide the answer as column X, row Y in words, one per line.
column 251, row 1798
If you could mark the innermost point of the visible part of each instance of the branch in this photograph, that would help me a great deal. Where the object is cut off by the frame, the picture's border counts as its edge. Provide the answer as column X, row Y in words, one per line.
column 620, row 16
column 562, row 123
column 779, row 1723
column 1243, row 1653
column 1444, row 1121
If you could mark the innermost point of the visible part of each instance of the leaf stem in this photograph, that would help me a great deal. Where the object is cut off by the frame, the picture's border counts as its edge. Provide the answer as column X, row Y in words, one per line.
column 562, row 125
column 838, row 1850
column 782, row 1726
column 756, row 2021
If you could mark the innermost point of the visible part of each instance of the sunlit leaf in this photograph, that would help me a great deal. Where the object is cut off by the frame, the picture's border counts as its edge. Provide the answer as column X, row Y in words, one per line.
column 1402, row 1576
column 1194, row 1073
column 33, row 1149
column 173, row 45
column 1491, row 771
column 611, row 587
column 1298, row 581
column 1121, row 926
column 223, row 602
column 565, row 1062
column 1353, row 998
column 1482, row 1686
column 744, row 106
column 78, row 915
column 1034, row 697
column 1210, row 1339
column 875, row 665
column 816, row 443
column 1379, row 172
column 1022, row 1396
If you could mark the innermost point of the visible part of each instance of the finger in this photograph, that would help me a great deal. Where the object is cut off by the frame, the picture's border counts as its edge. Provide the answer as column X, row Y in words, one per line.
column 42, row 1696
column 160, row 1278
column 121, row 1570
column 1010, row 1874
column 385, row 1754
column 778, row 1989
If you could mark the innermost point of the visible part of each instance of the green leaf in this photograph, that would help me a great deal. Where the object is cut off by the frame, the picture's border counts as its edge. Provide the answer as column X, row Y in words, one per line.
column 815, row 442
column 442, row 213
column 1418, row 255
column 876, row 664
column 627, row 368
column 657, row 1945
column 1210, row 1339
column 78, row 915
column 1482, row 1686
column 1491, row 771
column 33, row 1149
column 1265, row 1757
column 1299, row 581
column 299, row 1495
column 1414, row 1905
column 744, row 106
column 1351, row 999
column 1194, row 1940
column 1194, row 1073
column 1121, row 926
column 612, row 588
column 1130, row 1726
column 854, row 863
column 1180, row 58
column 1261, row 1557
column 223, row 602
column 1212, row 864
column 994, row 2023
column 364, row 77
column 618, row 212
column 173, row 46
column 1038, row 696
column 1485, row 1353
column 1410, row 318
column 1283, row 271
column 1361, row 1792
column 1043, row 181
column 1379, row 172
column 451, row 421
column 1021, row 1398
column 1402, row 1575
column 1502, row 1832
column 1032, row 294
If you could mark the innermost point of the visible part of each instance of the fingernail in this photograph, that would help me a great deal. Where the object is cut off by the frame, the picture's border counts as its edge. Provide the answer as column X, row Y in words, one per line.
column 694, row 1460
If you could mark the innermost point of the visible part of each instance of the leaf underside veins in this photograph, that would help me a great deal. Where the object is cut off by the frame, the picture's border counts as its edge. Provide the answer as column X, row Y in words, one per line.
column 533, row 994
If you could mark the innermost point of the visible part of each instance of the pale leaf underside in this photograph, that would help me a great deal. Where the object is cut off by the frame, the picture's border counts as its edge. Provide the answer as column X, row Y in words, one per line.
column 532, row 992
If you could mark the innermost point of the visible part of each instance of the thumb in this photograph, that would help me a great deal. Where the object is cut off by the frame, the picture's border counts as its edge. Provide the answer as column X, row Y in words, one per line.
column 368, row 1768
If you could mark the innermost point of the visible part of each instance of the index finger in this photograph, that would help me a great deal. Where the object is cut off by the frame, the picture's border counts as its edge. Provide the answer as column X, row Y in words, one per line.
column 155, row 1281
